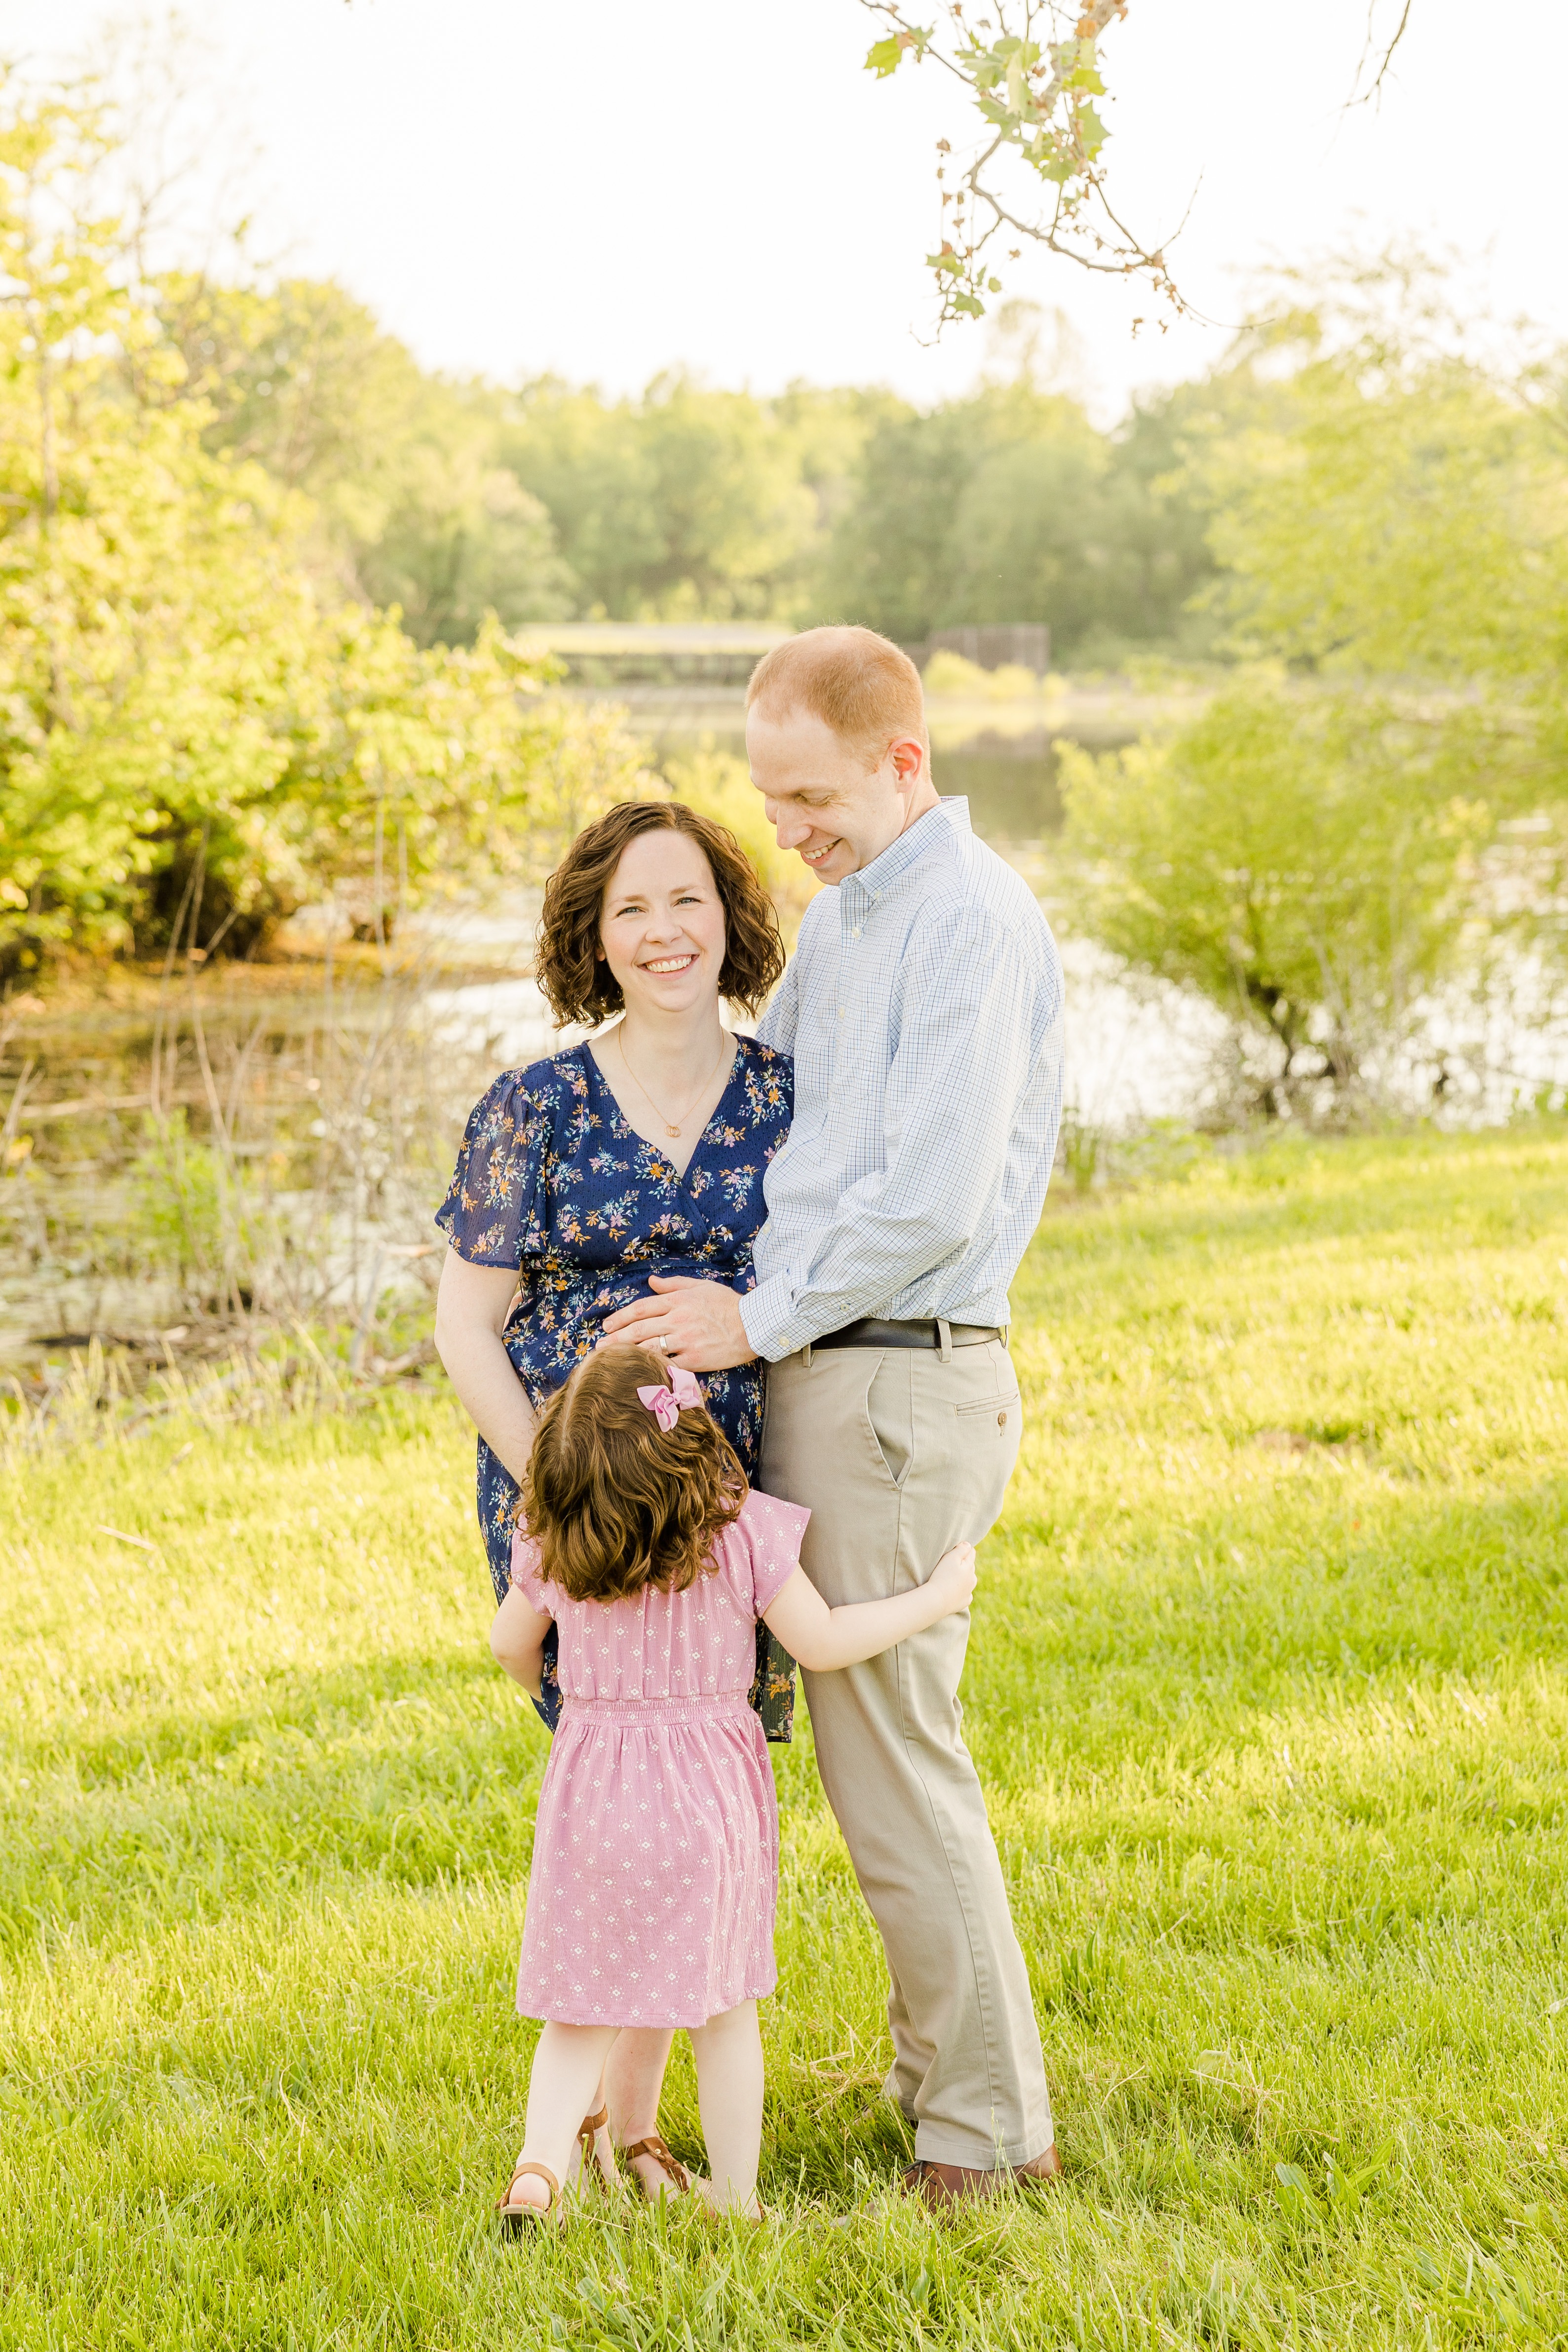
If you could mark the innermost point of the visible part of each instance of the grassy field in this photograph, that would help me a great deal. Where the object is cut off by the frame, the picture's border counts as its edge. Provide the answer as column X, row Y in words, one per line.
column 1269, row 1688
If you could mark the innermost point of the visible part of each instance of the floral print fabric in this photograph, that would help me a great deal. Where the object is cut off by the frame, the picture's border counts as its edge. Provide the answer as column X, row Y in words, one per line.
column 551, row 1182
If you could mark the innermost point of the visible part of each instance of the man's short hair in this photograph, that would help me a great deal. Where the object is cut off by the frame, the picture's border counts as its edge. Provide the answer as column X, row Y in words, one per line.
column 860, row 685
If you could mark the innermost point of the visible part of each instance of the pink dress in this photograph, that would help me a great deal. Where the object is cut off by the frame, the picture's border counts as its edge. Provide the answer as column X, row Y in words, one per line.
column 656, row 1867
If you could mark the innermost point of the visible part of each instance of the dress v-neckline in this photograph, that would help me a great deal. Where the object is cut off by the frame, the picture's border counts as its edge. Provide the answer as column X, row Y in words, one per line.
column 680, row 1174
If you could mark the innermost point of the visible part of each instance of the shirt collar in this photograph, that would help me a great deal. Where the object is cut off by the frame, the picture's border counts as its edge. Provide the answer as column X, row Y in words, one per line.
column 950, row 814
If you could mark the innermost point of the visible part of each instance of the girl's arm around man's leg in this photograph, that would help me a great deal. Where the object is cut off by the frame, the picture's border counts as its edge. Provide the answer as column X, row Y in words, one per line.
column 823, row 1638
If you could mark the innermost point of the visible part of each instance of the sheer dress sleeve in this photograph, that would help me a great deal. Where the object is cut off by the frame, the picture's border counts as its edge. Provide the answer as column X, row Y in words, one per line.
column 496, row 1212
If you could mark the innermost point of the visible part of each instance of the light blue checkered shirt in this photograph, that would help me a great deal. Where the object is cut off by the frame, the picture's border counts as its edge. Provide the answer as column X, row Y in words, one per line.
column 923, row 1006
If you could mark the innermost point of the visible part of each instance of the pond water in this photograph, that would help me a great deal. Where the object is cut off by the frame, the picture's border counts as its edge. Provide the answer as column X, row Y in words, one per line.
column 1136, row 1052
column 343, row 1096
column 1001, row 753
column 1010, row 779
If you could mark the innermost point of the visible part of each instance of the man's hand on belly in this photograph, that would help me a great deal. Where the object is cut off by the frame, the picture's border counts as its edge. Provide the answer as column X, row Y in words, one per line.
column 697, row 1324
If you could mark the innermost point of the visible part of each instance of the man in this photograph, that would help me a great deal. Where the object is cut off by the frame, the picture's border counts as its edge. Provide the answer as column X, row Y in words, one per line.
column 923, row 1007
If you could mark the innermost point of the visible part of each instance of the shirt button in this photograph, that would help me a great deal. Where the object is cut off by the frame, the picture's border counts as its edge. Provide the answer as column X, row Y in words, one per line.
column 856, row 932
column 841, row 1013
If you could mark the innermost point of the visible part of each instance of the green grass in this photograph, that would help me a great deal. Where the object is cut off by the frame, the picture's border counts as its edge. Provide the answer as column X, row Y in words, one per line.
column 1268, row 1686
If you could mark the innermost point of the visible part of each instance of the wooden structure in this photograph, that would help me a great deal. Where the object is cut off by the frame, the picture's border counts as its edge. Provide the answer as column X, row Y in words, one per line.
column 725, row 653
column 604, row 653
column 992, row 645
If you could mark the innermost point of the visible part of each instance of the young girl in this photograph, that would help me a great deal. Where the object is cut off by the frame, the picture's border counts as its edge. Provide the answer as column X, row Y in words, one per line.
column 655, row 1866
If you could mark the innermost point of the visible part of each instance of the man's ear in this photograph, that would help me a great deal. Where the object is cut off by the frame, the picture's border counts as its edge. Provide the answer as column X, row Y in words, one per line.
column 908, row 758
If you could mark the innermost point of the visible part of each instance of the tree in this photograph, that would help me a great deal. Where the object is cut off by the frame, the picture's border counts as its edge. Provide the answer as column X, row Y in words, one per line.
column 136, row 589
column 192, row 734
column 1009, row 506
column 1302, row 861
column 1321, row 856
column 1155, row 536
column 1399, row 510
column 1034, row 83
column 1033, row 72
column 402, row 468
column 684, row 504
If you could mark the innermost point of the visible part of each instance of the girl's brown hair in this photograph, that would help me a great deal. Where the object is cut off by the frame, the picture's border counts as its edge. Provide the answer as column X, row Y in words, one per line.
column 569, row 966
column 615, row 1502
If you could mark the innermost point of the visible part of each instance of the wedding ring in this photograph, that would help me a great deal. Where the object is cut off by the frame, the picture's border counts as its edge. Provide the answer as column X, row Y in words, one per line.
column 662, row 1340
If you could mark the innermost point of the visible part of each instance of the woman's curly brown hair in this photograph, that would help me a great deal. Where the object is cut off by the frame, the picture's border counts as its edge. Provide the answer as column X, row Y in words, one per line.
column 614, row 1501
column 570, row 967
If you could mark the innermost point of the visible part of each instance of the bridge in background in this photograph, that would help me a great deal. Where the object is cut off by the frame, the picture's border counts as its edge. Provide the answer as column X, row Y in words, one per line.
column 724, row 653
column 652, row 652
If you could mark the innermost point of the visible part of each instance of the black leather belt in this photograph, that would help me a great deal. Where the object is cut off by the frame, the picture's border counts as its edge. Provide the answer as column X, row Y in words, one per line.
column 871, row 1333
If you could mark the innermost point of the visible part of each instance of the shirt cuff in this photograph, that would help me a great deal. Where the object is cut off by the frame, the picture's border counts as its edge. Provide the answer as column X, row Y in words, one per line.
column 766, row 1314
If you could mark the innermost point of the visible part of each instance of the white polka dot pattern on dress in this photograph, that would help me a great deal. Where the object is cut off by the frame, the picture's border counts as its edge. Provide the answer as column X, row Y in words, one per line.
column 656, row 1868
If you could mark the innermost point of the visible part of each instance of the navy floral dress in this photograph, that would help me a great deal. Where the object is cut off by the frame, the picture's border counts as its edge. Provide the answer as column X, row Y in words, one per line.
column 550, row 1181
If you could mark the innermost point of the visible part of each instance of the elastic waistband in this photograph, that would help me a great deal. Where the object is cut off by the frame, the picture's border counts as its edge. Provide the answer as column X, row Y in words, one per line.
column 706, row 1707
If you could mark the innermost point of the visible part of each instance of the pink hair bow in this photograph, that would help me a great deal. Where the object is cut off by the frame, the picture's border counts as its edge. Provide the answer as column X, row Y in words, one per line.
column 664, row 1403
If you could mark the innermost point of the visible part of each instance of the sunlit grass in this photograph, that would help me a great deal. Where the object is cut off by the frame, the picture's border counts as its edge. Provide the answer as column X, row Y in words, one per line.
column 1268, row 1685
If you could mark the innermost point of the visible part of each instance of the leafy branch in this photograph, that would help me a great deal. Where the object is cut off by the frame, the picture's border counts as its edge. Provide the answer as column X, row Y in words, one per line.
column 1377, row 58
column 1032, row 72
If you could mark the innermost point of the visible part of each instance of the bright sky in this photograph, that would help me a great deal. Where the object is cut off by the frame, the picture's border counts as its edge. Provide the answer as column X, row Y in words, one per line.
column 607, row 190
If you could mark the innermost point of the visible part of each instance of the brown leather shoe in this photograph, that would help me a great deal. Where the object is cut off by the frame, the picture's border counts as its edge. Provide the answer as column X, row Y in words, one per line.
column 949, row 2184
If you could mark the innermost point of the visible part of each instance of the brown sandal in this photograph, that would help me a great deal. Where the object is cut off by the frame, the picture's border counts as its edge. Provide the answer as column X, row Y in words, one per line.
column 588, row 2133
column 518, row 2217
column 665, row 2159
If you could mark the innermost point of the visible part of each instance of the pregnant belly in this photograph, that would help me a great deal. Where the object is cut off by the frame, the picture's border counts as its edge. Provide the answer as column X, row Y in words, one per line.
column 555, row 1306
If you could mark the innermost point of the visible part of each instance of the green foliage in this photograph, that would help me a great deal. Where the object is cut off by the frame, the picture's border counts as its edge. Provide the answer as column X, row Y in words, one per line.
column 1274, row 1743
column 1035, row 99
column 189, row 1212
column 1393, row 525
column 1384, row 507
column 1009, row 506
column 1390, row 509
column 1302, row 861
column 194, row 731
column 886, row 56
column 1398, row 511
column 142, row 602
column 401, row 468
column 686, row 504
column 258, row 452
column 690, row 504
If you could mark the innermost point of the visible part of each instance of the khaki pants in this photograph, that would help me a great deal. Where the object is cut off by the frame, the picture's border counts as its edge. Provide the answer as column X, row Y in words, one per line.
column 900, row 1454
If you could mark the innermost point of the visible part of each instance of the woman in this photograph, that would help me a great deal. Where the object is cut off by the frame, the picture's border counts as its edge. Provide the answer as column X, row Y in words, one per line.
column 640, row 1151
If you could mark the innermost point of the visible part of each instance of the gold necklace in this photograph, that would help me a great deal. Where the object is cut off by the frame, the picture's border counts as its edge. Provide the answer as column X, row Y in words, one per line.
column 664, row 1116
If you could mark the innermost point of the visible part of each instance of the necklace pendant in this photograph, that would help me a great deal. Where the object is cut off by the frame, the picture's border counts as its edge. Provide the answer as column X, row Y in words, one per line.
column 671, row 1130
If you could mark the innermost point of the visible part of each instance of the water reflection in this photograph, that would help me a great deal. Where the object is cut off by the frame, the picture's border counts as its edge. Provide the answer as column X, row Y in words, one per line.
column 1009, row 783
column 1008, row 774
